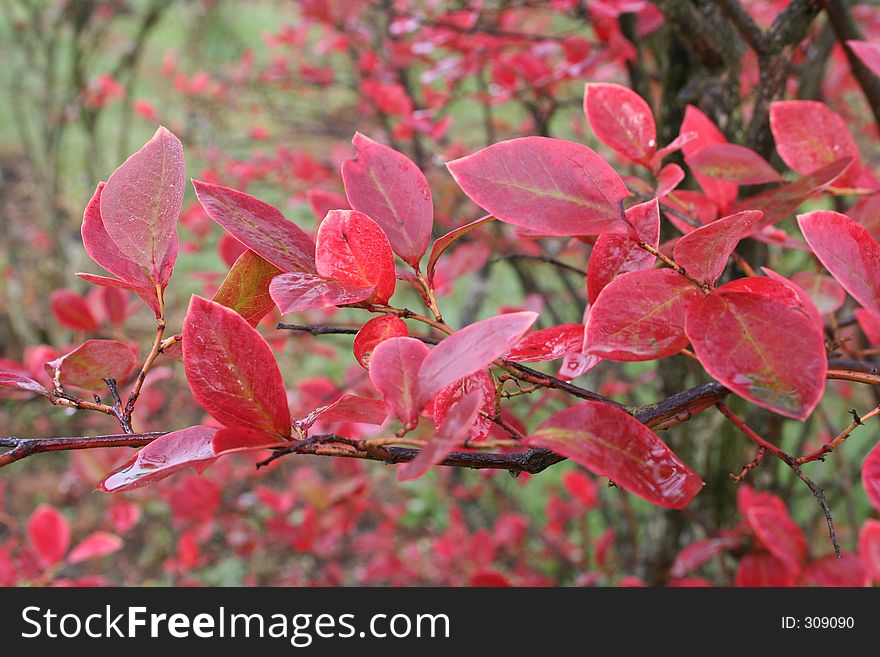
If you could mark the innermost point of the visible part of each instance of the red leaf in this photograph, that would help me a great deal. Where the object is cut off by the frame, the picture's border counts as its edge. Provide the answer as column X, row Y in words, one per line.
column 322, row 202
column 733, row 163
column 551, row 186
column 868, row 53
column 259, row 226
column 699, row 552
column 704, row 252
column 394, row 369
column 581, row 487
column 375, row 331
column 548, row 344
column 348, row 408
column 722, row 192
column 823, row 290
column 779, row 202
column 453, row 431
column 442, row 244
column 231, row 370
column 469, row 350
column 141, row 202
column 810, row 135
column 298, row 291
column 668, row 179
column 465, row 259
column 761, row 348
column 780, row 534
column 246, row 287
column 20, row 382
column 480, row 383
column 94, row 360
column 848, row 251
column 49, row 535
column 115, row 303
column 622, row 120
column 869, row 547
column 352, row 249
column 611, row 443
column 95, row 545
column 847, row 571
column 871, row 476
column 393, row 192
column 615, row 254
column 148, row 295
column 763, row 569
column 72, row 312
column 640, row 316
column 870, row 325
column 187, row 448
column 805, row 302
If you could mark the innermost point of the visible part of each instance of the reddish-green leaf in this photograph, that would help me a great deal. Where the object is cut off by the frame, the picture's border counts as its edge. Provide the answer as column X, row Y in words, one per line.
column 375, row 331
column 394, row 370
column 848, row 251
column 548, row 344
column 454, row 429
column 640, row 316
column 611, row 443
column 761, row 348
column 393, row 192
column 442, row 244
column 551, row 186
column 72, row 311
column 141, row 202
column 780, row 534
column 704, row 252
column 352, row 249
column 722, row 192
column 733, row 163
column 259, row 226
column 94, row 360
column 871, row 476
column 615, row 254
column 810, row 135
column 622, row 120
column 231, row 370
column 298, row 291
column 48, row 534
column 469, row 350
column 246, row 287
column 187, row 448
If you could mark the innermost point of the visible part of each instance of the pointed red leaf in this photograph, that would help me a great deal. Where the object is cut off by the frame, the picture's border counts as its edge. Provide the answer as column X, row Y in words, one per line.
column 352, row 249
column 611, row 443
column 704, row 252
column 780, row 534
column 231, row 370
column 868, row 53
column 848, row 251
column 871, row 476
column 393, row 192
column 48, row 534
column 442, row 244
column 246, row 287
column 547, row 185
column 469, row 350
column 95, row 545
column 455, row 428
column 827, row 571
column 298, row 291
column 394, row 369
column 622, row 120
column 94, row 360
column 259, row 226
column 375, row 331
column 20, row 382
column 722, row 192
column 869, row 547
column 615, row 254
column 187, row 448
column 72, row 311
column 141, row 202
column 480, row 383
column 668, row 179
column 810, row 135
column 733, row 163
column 640, row 316
column 763, row 569
column 675, row 145
column 761, row 348
column 548, row 344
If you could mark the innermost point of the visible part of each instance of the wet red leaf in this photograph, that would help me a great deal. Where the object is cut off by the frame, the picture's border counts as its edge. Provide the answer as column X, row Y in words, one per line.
column 622, row 120
column 375, row 331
